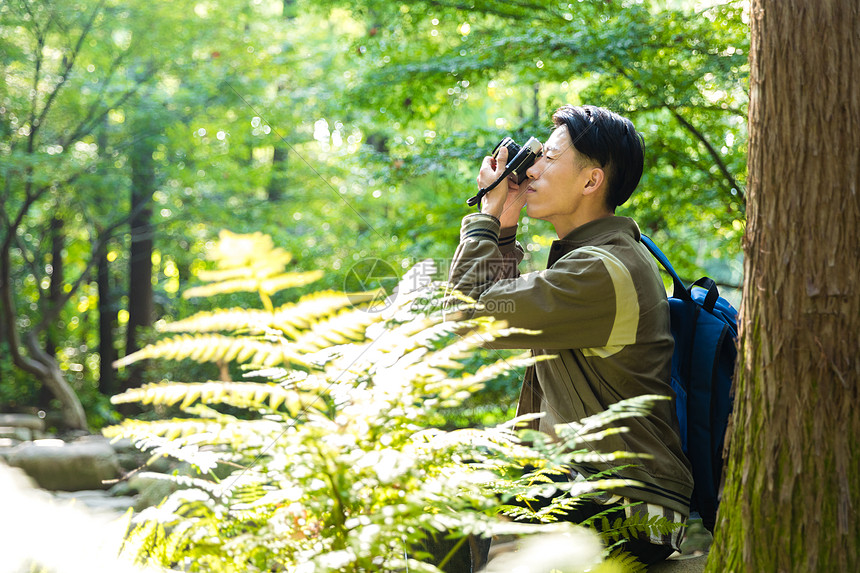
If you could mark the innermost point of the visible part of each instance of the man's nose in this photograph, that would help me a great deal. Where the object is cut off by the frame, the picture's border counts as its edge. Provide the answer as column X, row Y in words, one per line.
column 534, row 171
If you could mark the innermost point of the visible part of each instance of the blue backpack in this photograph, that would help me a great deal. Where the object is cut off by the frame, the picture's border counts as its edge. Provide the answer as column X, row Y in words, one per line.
column 705, row 328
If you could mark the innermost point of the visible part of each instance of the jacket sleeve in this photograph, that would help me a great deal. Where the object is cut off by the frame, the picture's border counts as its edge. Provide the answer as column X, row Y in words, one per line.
column 573, row 304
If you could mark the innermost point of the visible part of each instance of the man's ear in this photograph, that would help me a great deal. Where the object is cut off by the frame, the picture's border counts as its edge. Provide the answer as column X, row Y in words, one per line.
column 596, row 178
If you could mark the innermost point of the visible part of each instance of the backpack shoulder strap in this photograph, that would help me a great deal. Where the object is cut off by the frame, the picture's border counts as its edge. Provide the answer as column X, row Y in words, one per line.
column 679, row 290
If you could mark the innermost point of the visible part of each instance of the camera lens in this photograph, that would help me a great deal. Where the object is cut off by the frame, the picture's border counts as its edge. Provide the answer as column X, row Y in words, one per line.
column 524, row 159
column 512, row 146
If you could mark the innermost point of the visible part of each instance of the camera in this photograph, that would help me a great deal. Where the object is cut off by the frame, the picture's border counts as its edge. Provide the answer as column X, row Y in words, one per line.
column 519, row 160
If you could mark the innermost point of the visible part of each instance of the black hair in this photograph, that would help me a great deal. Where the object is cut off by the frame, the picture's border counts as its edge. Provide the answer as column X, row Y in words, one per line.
column 610, row 140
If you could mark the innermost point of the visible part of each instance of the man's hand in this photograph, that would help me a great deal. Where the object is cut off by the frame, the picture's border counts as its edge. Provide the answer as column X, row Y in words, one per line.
column 514, row 203
column 505, row 201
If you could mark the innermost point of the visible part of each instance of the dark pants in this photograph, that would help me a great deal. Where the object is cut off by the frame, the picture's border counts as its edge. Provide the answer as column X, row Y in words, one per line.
column 471, row 555
column 646, row 552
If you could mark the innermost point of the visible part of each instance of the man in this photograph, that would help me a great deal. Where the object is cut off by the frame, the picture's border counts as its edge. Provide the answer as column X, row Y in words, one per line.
column 600, row 305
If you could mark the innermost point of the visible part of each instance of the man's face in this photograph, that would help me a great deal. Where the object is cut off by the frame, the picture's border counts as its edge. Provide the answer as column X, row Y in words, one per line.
column 557, row 179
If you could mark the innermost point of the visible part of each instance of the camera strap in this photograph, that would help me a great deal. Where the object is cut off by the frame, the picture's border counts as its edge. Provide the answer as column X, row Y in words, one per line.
column 476, row 199
column 524, row 158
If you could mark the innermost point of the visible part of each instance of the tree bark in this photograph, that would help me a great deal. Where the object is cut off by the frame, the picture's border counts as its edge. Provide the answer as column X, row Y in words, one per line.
column 107, row 323
column 55, row 299
column 792, row 492
column 55, row 292
column 38, row 362
column 278, row 178
column 107, row 305
column 140, row 306
column 277, row 184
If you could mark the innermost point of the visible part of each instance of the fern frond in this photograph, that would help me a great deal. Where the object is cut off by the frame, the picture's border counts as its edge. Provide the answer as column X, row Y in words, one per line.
column 313, row 307
column 289, row 318
column 240, row 394
column 345, row 327
column 244, row 435
column 171, row 429
column 245, row 255
column 142, row 540
column 269, row 285
column 634, row 526
column 495, row 369
column 210, row 487
column 213, row 347
column 573, row 433
column 234, row 319
column 622, row 561
column 173, row 547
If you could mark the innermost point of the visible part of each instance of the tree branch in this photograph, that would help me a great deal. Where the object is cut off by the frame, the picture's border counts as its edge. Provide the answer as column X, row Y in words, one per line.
column 31, row 261
column 733, row 184
column 708, row 108
column 10, row 319
column 713, row 152
column 88, row 124
column 494, row 8
column 104, row 236
column 70, row 62
column 89, row 116
column 37, row 73
column 30, row 198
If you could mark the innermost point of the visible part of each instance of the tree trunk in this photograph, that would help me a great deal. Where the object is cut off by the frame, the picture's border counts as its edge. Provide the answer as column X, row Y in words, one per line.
column 38, row 363
column 55, row 295
column 107, row 323
column 792, row 492
column 278, row 178
column 107, row 309
column 55, row 288
column 140, row 307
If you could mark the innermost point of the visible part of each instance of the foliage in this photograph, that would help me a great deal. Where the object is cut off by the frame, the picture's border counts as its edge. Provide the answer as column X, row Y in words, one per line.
column 345, row 130
column 336, row 465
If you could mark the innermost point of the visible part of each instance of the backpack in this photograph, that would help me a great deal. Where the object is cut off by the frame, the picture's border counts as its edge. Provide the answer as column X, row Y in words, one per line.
column 705, row 329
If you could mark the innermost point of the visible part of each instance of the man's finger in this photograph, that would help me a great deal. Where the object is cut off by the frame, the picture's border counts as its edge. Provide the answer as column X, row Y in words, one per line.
column 501, row 159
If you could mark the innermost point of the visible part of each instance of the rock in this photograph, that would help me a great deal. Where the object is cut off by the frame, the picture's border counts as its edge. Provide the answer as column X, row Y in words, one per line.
column 121, row 489
column 129, row 457
column 23, row 421
column 16, row 433
column 681, row 564
column 89, row 438
column 6, row 447
column 161, row 464
column 56, row 465
column 41, row 533
column 130, row 461
column 97, row 501
column 123, row 446
column 8, row 442
column 151, row 490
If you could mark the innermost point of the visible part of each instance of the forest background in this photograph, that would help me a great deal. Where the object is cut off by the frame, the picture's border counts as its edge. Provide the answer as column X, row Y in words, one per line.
column 132, row 132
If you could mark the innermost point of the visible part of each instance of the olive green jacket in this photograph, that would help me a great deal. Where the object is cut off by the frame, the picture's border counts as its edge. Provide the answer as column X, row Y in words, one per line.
column 601, row 309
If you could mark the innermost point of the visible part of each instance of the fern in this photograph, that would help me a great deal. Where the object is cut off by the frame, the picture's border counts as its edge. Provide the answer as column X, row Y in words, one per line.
column 267, row 286
column 214, row 348
column 337, row 464
column 633, row 526
column 248, row 395
column 288, row 318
